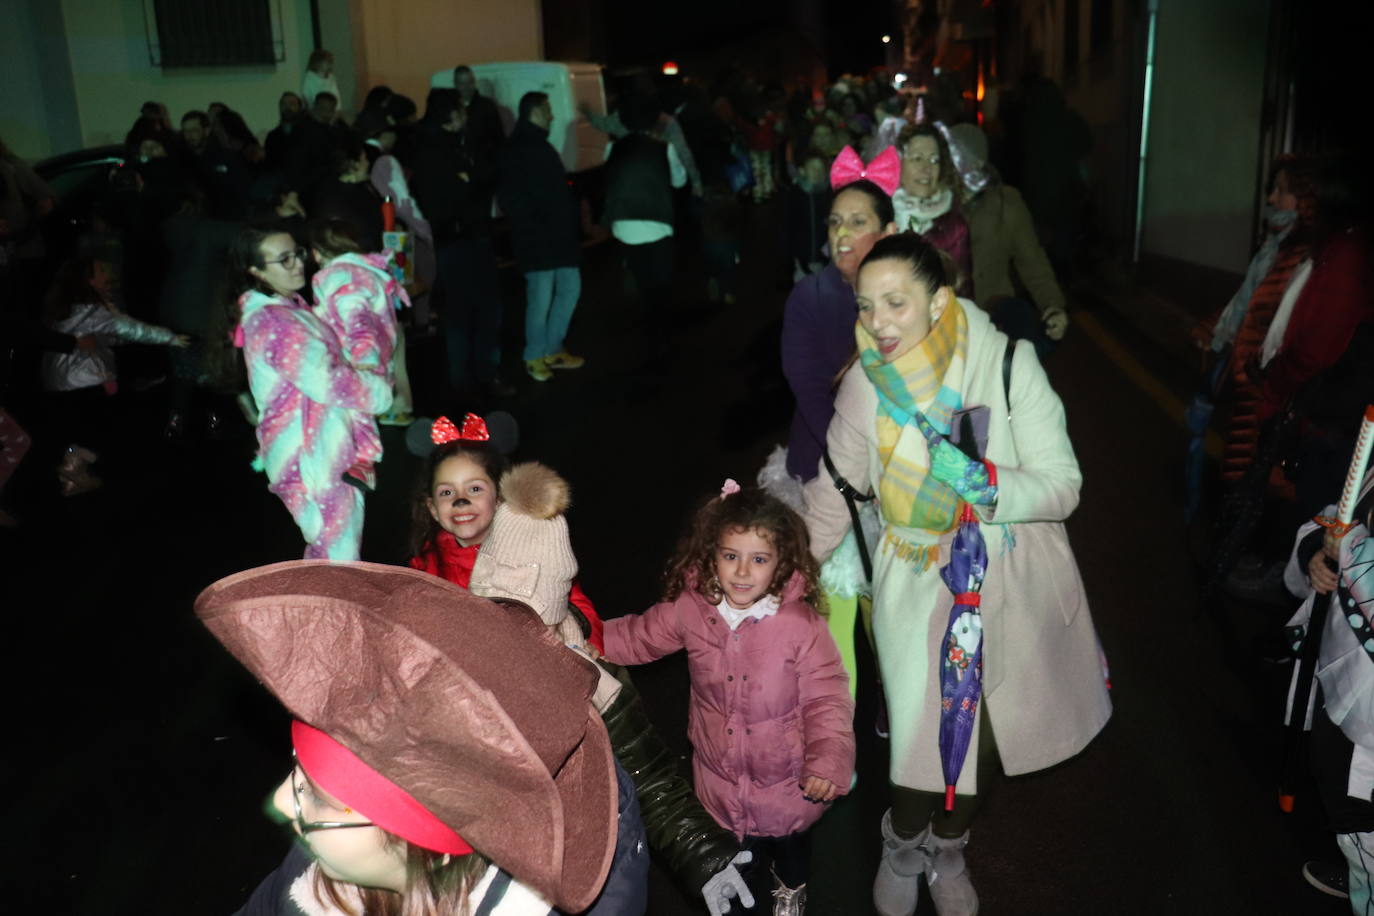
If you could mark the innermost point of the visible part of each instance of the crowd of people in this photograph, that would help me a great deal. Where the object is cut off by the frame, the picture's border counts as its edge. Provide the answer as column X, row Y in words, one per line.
column 333, row 239
column 918, row 503
column 1287, row 380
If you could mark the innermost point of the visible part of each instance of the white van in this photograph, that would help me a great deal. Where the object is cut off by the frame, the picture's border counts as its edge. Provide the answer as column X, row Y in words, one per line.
column 568, row 86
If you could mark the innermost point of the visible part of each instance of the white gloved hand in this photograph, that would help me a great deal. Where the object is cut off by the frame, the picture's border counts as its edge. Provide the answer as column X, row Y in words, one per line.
column 728, row 883
column 1056, row 323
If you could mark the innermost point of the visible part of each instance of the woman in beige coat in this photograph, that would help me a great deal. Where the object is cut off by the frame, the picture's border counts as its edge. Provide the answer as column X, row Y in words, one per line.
column 1044, row 695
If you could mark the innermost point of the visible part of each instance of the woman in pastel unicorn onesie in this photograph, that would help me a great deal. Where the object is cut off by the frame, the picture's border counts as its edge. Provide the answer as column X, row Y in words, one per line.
column 357, row 296
column 310, row 398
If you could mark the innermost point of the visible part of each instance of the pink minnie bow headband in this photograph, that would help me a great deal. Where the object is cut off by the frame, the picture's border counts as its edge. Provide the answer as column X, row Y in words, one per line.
column 885, row 170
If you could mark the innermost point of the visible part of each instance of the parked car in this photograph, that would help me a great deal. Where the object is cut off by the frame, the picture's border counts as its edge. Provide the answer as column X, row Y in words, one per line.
column 81, row 180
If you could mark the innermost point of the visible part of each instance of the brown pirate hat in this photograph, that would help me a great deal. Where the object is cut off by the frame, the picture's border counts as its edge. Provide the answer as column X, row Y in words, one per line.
column 474, row 709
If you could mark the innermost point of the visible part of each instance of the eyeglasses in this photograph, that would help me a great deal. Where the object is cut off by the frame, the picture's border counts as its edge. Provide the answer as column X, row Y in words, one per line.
column 311, row 827
column 932, row 159
column 289, row 260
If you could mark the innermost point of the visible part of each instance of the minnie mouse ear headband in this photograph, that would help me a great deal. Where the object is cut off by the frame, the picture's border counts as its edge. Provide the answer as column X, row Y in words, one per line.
column 885, row 170
column 499, row 431
column 427, row 686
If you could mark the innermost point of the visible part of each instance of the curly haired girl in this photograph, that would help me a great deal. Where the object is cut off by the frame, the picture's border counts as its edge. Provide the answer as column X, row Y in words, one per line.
column 771, row 716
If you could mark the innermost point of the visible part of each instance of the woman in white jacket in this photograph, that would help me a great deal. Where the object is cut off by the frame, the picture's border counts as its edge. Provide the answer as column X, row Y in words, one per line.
column 926, row 357
column 83, row 380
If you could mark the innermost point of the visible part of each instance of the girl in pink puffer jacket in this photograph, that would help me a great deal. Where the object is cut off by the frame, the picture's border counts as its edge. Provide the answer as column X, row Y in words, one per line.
column 771, row 719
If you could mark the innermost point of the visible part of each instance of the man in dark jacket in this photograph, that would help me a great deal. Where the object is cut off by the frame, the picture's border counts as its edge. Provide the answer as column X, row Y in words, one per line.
column 454, row 190
column 277, row 147
column 483, row 120
column 545, row 236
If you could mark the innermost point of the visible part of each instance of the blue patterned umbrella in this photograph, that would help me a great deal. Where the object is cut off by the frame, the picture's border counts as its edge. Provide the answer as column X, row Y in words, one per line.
column 961, row 664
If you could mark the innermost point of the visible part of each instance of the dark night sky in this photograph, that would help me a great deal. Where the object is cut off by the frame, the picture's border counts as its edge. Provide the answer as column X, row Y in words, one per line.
column 634, row 32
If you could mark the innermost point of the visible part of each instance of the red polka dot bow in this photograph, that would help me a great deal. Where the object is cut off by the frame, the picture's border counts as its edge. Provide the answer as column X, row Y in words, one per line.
column 474, row 430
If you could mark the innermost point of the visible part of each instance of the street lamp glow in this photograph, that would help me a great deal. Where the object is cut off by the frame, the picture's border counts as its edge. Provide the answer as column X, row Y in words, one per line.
column 887, row 39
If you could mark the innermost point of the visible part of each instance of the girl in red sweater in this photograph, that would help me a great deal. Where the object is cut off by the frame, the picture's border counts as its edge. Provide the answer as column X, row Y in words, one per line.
column 455, row 504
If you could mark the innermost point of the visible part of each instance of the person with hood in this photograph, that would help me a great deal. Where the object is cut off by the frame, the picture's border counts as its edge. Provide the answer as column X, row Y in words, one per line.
column 309, row 397
column 545, row 235
column 429, row 774
column 1002, row 236
column 358, row 297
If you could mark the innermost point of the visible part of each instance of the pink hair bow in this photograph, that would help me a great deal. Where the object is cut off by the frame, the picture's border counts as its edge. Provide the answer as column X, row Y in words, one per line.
column 730, row 488
column 885, row 170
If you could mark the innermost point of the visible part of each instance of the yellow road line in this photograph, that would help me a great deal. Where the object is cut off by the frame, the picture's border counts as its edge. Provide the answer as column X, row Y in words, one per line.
column 1139, row 375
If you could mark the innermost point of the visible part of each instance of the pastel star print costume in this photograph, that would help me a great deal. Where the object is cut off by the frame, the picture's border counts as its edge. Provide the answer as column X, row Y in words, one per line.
column 357, row 296
column 1344, row 768
column 311, row 401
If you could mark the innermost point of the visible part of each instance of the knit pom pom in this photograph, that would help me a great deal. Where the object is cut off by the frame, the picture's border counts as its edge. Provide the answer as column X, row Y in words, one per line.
column 535, row 490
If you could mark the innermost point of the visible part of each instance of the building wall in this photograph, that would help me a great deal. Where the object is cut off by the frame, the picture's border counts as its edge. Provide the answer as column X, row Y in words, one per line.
column 38, row 113
column 77, row 71
column 399, row 44
column 114, row 75
column 1202, row 167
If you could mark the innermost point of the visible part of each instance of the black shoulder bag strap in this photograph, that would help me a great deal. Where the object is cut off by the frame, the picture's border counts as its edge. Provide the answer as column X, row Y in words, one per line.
column 851, row 499
column 1007, row 356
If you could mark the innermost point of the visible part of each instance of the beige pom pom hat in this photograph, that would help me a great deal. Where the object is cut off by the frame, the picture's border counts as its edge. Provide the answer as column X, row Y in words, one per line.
column 527, row 555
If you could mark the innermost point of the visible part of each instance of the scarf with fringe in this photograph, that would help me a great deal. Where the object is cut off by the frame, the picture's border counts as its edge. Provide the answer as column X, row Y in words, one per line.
column 919, row 381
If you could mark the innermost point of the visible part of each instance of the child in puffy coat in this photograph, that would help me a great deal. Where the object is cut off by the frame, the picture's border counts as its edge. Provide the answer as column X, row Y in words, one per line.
column 83, row 380
column 771, row 719
column 357, row 297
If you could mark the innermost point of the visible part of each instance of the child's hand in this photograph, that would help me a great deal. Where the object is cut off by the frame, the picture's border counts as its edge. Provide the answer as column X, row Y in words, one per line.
column 181, row 341
column 816, row 789
column 1331, row 545
column 1321, row 575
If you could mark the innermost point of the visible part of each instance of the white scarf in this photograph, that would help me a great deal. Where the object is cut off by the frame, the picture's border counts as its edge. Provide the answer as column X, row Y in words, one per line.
column 1273, row 341
column 918, row 214
column 766, row 606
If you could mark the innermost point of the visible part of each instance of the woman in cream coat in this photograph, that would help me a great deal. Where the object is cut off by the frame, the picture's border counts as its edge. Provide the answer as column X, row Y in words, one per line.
column 921, row 350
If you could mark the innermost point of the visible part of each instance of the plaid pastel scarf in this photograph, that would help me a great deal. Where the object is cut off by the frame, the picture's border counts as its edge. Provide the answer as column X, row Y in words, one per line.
column 916, row 382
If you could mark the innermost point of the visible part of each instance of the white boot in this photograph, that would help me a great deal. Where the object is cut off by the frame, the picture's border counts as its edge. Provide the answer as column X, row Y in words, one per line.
column 946, row 875
column 897, row 886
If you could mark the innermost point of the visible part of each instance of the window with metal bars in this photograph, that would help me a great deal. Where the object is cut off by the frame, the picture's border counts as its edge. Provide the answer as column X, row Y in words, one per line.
column 214, row 33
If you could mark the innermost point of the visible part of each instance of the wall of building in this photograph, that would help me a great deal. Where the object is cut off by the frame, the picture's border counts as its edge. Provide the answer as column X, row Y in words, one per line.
column 401, row 44
column 38, row 112
column 1202, row 169
column 114, row 75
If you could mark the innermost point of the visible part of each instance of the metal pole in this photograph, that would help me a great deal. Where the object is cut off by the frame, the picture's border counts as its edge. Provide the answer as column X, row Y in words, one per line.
column 1145, row 129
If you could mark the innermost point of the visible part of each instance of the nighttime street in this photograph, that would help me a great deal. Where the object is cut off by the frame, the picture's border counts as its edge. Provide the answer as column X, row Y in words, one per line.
column 1173, row 809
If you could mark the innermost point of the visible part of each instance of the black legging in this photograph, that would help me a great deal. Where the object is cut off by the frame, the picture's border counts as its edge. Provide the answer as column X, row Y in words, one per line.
column 913, row 809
